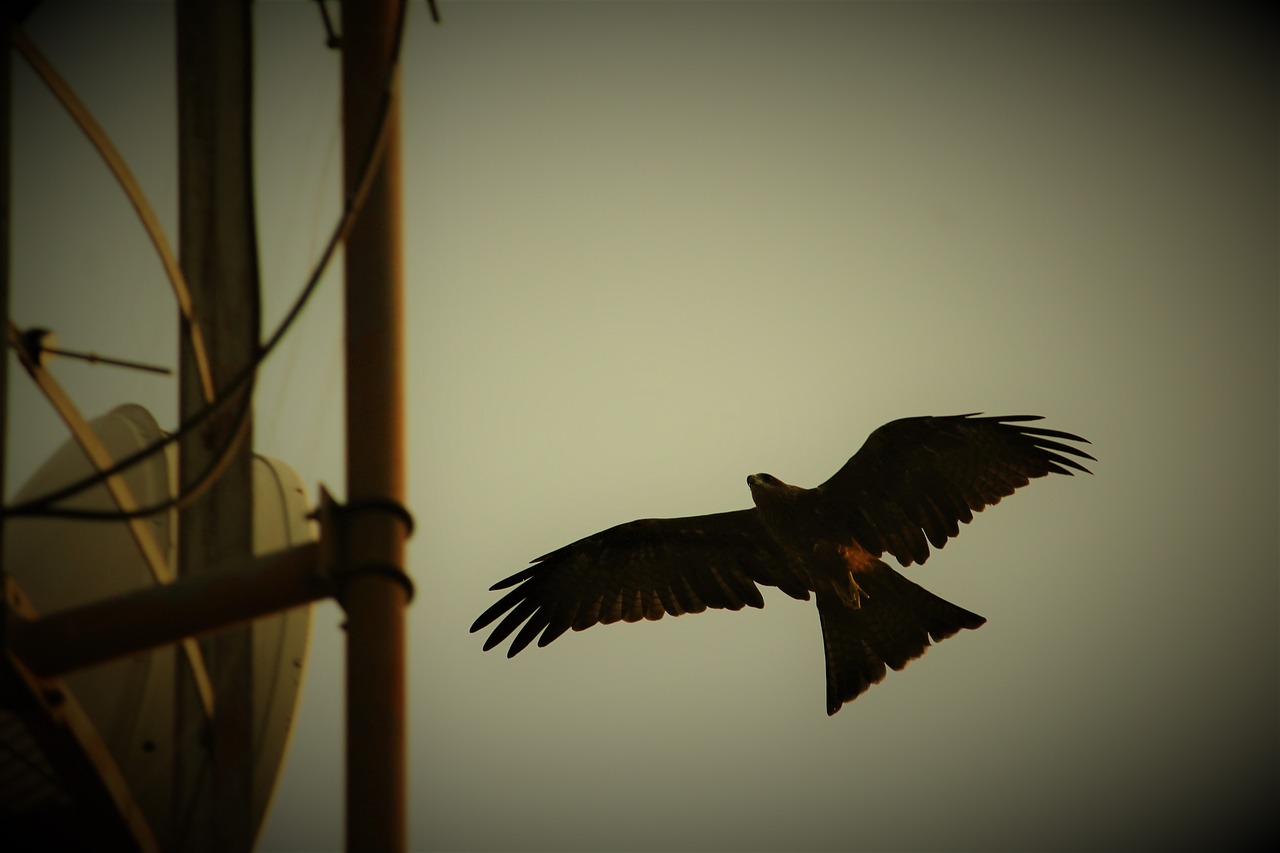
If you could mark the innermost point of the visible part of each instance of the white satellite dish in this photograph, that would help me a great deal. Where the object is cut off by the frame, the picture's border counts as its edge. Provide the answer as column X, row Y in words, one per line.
column 64, row 563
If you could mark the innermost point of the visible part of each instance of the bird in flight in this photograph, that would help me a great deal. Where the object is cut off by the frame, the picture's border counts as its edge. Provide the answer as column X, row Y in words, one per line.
column 908, row 488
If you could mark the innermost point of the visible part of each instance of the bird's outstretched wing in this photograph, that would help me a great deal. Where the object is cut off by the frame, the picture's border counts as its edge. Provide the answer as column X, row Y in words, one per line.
column 915, row 479
column 642, row 570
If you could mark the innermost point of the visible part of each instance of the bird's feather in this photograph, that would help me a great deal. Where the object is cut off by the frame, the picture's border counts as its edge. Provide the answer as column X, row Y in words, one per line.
column 642, row 570
column 916, row 479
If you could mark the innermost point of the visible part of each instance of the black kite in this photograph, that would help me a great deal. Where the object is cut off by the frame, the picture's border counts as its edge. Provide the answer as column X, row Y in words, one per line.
column 908, row 488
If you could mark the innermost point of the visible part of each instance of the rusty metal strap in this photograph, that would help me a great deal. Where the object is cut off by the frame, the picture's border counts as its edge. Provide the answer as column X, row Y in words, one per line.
column 387, row 505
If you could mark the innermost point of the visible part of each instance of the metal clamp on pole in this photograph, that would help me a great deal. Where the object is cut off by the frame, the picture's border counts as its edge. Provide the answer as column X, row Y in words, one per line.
column 335, row 563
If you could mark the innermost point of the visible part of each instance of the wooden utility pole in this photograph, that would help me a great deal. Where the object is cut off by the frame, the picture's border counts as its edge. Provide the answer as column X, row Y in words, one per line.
column 373, row 587
column 217, row 244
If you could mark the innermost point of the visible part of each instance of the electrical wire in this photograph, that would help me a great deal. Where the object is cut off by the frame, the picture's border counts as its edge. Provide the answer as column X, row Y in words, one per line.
column 41, row 505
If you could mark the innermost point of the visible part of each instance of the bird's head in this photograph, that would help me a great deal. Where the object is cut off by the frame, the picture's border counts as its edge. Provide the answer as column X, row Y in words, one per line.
column 770, row 494
column 765, row 483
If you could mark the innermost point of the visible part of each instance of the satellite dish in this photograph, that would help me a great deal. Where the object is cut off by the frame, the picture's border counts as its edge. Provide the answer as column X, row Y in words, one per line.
column 63, row 563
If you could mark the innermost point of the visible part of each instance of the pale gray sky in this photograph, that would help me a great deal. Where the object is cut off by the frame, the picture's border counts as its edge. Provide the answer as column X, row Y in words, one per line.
column 652, row 248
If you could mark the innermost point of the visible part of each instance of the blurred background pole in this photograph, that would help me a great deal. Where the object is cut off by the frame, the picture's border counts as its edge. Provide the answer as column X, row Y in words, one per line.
column 219, row 259
column 7, row 22
column 373, row 590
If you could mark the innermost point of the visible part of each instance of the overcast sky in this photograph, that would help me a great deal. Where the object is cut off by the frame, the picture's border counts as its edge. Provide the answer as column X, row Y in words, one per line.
column 652, row 248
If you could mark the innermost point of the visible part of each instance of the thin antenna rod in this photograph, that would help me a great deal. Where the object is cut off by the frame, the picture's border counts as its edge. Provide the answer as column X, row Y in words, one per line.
column 39, row 342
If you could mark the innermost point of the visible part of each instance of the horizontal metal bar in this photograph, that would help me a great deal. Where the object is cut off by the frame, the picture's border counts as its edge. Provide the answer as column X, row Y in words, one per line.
column 83, row 636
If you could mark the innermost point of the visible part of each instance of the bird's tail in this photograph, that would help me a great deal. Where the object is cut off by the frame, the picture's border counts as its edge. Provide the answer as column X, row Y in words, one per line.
column 890, row 626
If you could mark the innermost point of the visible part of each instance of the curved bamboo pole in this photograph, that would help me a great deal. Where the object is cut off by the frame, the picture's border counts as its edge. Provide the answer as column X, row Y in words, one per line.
column 121, row 494
column 81, row 115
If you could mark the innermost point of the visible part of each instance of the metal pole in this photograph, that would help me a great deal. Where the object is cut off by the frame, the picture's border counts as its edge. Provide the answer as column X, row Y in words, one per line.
column 373, row 587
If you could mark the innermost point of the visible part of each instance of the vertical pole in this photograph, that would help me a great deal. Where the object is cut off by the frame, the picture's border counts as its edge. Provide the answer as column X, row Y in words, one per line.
column 7, row 23
column 212, row 803
column 374, row 538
